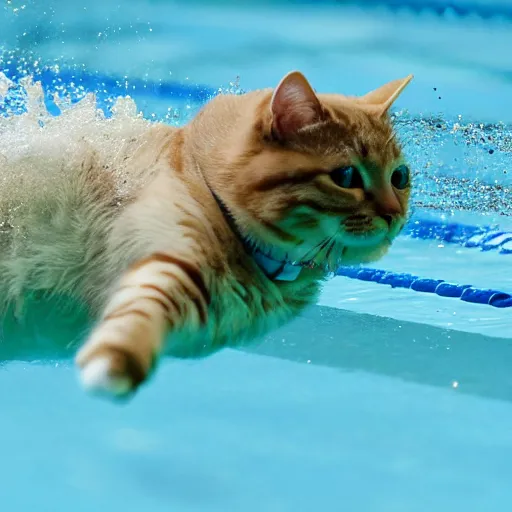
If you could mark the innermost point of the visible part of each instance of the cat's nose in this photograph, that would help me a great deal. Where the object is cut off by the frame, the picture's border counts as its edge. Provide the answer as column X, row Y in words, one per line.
column 387, row 204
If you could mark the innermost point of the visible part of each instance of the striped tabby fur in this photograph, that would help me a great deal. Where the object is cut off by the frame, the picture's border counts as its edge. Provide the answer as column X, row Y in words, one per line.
column 157, row 247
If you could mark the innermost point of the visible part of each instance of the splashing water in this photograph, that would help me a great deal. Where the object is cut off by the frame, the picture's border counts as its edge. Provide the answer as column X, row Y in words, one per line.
column 457, row 166
column 40, row 150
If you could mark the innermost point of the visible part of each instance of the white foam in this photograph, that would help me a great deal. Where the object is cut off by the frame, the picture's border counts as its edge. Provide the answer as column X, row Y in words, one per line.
column 38, row 135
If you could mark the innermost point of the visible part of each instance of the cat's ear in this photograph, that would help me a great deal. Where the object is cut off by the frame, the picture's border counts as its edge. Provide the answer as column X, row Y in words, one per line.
column 294, row 105
column 381, row 99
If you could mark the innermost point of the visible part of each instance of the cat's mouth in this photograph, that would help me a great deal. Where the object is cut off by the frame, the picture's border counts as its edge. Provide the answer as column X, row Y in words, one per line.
column 368, row 238
column 364, row 231
column 328, row 254
column 343, row 248
column 356, row 240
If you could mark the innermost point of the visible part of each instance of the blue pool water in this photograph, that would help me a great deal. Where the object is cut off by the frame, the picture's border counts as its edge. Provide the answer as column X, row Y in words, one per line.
column 376, row 399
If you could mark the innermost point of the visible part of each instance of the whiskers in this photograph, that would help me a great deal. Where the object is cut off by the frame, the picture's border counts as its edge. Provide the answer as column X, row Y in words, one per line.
column 312, row 254
column 323, row 254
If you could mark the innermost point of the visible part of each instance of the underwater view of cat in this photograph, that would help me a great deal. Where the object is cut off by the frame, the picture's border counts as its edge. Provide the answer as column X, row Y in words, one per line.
column 185, row 240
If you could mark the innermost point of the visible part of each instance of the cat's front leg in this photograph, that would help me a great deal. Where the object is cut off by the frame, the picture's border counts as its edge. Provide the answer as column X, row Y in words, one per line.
column 157, row 294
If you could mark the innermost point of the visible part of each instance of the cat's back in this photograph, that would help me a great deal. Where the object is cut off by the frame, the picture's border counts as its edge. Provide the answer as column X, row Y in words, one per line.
column 39, row 164
column 61, row 187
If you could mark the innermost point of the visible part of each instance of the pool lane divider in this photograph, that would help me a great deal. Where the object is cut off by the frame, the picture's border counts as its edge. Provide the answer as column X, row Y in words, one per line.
column 466, row 293
column 485, row 238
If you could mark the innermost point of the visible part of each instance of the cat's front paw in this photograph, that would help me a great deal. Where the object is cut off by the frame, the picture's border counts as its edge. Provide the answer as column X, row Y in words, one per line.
column 111, row 371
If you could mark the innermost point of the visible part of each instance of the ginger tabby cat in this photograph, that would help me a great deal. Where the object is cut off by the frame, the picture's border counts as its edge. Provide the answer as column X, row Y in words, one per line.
column 229, row 226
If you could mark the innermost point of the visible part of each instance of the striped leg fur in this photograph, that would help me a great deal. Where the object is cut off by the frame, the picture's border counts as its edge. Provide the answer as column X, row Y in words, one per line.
column 156, row 295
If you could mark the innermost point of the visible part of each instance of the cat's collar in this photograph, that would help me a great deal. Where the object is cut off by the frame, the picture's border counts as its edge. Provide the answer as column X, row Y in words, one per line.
column 277, row 270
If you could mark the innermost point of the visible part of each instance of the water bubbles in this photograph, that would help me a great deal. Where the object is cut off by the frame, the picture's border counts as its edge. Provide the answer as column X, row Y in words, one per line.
column 458, row 165
column 5, row 85
column 124, row 108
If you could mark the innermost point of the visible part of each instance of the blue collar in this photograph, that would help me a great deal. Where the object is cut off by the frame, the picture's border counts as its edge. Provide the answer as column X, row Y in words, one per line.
column 276, row 270
column 273, row 269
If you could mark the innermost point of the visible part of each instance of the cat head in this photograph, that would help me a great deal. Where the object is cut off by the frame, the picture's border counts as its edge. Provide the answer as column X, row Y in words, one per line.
column 316, row 177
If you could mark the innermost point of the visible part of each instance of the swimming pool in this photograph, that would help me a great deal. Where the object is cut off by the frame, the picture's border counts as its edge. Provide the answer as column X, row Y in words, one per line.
column 378, row 398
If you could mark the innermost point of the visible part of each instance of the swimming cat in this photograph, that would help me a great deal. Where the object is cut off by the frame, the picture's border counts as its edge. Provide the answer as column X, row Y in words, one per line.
column 209, row 235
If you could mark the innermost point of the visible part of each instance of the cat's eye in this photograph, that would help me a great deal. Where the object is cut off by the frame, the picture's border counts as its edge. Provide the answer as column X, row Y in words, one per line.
column 400, row 177
column 347, row 177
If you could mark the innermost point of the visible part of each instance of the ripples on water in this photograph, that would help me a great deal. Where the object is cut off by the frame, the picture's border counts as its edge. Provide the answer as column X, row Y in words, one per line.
column 457, row 165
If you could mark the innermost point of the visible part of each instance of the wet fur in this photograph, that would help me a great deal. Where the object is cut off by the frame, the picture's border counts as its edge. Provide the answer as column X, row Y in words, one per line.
column 140, row 240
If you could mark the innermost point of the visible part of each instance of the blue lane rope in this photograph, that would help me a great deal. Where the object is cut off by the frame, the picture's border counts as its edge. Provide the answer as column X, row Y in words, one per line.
column 467, row 293
column 483, row 237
